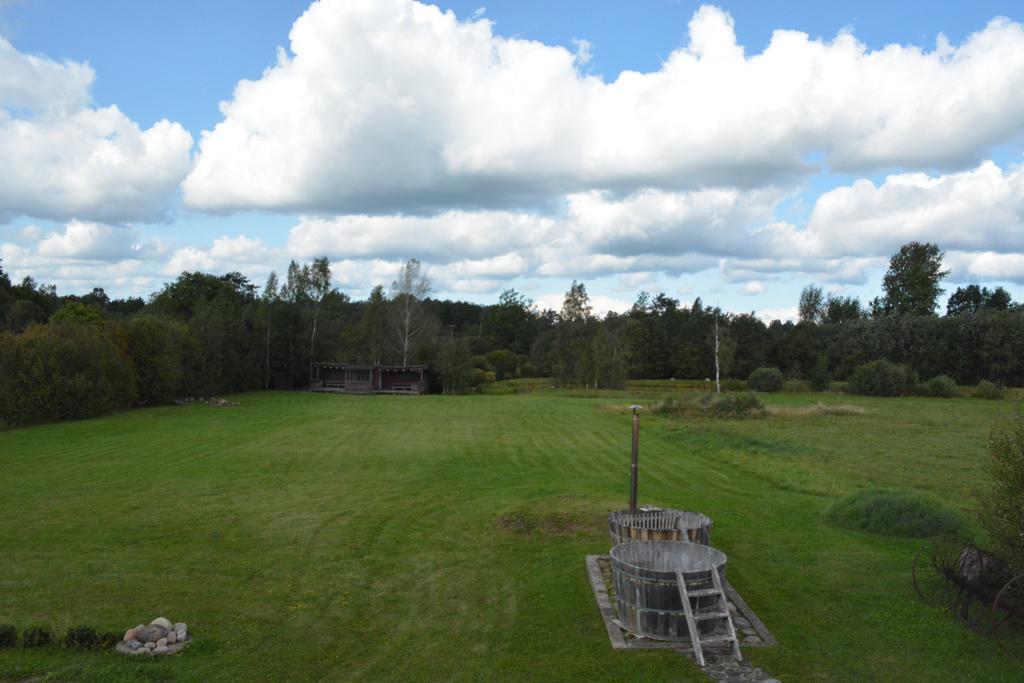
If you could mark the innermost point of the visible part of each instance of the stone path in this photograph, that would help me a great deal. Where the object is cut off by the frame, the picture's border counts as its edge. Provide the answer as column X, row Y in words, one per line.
column 721, row 666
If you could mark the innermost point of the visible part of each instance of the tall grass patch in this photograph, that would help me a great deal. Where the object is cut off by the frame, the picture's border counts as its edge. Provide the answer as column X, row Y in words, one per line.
column 722, row 406
column 908, row 514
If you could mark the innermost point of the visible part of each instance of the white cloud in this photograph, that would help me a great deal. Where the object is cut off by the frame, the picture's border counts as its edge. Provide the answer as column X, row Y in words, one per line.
column 64, row 159
column 784, row 314
column 31, row 82
column 601, row 304
column 91, row 242
column 985, row 266
column 851, row 231
column 450, row 236
column 247, row 255
column 391, row 106
column 979, row 209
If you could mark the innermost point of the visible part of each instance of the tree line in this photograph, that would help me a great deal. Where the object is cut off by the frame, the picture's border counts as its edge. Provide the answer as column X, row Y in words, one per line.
column 204, row 334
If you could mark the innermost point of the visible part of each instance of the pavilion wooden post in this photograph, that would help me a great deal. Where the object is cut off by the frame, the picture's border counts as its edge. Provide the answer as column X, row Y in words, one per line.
column 634, row 459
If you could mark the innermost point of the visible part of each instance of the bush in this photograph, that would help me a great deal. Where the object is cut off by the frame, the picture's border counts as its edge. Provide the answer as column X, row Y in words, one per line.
column 882, row 378
column 942, row 386
column 8, row 636
column 733, row 385
column 819, row 377
column 767, row 380
column 107, row 640
column 796, row 386
column 895, row 513
column 36, row 636
column 82, row 637
column 1002, row 504
column 738, row 406
column 733, row 406
column 988, row 390
column 164, row 354
column 60, row 372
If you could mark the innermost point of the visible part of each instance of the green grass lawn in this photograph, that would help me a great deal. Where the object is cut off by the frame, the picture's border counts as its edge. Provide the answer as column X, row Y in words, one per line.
column 318, row 537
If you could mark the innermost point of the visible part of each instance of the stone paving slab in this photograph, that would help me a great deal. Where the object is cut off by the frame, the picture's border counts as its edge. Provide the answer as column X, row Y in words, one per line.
column 721, row 666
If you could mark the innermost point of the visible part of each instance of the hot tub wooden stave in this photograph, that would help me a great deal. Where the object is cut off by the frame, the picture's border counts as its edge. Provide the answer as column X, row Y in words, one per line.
column 647, row 596
column 659, row 524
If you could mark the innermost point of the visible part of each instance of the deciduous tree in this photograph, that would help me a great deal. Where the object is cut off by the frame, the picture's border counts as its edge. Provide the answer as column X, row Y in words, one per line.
column 912, row 282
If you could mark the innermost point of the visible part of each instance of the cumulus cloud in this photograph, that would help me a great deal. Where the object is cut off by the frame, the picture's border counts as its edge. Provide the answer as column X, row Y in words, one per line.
column 240, row 253
column 82, row 256
column 31, row 82
column 92, row 242
column 851, row 231
column 985, row 266
column 978, row 209
column 783, row 313
column 392, row 106
column 65, row 159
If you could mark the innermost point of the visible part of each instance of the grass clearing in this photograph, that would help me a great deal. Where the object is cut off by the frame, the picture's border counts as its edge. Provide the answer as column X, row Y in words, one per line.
column 319, row 537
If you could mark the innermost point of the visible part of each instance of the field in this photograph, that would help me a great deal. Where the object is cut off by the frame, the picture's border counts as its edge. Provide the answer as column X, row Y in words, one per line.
column 317, row 537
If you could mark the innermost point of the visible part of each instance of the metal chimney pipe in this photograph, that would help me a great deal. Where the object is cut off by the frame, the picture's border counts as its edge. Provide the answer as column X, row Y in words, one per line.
column 635, row 458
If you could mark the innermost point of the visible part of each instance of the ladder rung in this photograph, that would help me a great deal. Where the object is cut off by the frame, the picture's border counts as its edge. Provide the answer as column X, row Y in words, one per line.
column 704, row 616
column 717, row 639
column 703, row 592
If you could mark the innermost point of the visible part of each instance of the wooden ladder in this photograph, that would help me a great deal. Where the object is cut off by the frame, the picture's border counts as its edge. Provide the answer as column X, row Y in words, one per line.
column 719, row 612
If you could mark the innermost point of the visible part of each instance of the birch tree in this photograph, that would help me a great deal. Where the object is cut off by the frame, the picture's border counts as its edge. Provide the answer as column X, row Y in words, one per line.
column 410, row 321
column 270, row 295
column 318, row 282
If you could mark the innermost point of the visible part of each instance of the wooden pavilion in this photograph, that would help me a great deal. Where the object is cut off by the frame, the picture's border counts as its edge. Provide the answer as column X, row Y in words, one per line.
column 347, row 378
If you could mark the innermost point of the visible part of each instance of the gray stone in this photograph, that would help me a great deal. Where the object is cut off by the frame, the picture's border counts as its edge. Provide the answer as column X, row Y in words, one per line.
column 134, row 644
column 160, row 621
column 150, row 646
column 162, row 642
column 140, row 626
column 751, row 639
column 161, row 650
column 180, row 626
column 172, row 637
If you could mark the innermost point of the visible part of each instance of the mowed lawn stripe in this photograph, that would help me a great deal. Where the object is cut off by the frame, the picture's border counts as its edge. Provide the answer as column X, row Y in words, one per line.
column 312, row 537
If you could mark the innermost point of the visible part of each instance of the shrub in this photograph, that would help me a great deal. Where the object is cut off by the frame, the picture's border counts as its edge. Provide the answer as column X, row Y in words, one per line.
column 737, row 406
column 895, row 513
column 882, row 378
column 74, row 313
column 107, row 640
column 942, row 386
column 819, row 377
column 163, row 353
column 1002, row 504
column 59, row 372
column 989, row 391
column 82, row 637
column 36, row 636
column 768, row 380
column 8, row 636
column 733, row 405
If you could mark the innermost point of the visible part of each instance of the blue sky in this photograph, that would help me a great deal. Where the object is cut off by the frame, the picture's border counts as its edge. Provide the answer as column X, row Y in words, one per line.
column 618, row 230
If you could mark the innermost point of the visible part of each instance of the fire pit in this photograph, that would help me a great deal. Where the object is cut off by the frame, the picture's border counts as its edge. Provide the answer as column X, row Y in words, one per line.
column 647, row 591
column 659, row 524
